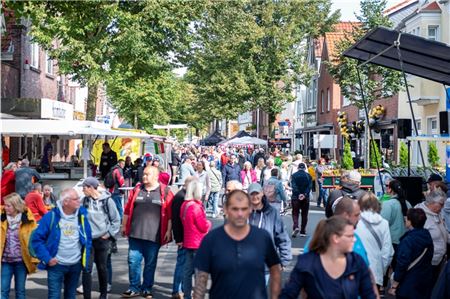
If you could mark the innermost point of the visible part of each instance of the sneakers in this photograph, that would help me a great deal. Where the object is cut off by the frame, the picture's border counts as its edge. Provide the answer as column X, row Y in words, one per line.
column 80, row 290
column 130, row 294
column 295, row 233
column 176, row 296
column 147, row 295
column 108, row 288
column 302, row 234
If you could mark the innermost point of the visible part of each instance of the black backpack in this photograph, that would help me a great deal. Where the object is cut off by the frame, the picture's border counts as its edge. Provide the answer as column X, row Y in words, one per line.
column 109, row 180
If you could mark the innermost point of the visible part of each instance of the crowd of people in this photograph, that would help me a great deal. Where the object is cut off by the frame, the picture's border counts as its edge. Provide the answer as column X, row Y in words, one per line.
column 366, row 247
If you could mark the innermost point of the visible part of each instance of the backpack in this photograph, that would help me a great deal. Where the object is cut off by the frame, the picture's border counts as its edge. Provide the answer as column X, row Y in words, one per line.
column 270, row 192
column 105, row 206
column 109, row 180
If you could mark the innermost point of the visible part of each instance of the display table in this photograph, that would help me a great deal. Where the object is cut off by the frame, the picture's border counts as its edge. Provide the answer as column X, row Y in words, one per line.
column 333, row 181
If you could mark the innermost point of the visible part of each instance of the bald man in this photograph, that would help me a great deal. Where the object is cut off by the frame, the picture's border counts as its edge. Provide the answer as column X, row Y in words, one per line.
column 147, row 224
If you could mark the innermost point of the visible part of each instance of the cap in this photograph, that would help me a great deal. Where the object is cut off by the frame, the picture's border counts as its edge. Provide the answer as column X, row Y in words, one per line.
column 302, row 166
column 156, row 158
column 91, row 182
column 254, row 187
column 355, row 176
column 434, row 177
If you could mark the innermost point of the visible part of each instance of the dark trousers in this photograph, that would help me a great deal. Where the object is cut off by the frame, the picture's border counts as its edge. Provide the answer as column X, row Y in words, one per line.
column 99, row 254
column 297, row 206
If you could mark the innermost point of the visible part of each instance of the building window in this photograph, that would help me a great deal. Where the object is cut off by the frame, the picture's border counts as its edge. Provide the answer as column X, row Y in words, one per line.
column 48, row 64
column 433, row 33
column 328, row 100
column 432, row 125
column 34, row 54
column 419, row 126
column 322, row 102
column 314, row 95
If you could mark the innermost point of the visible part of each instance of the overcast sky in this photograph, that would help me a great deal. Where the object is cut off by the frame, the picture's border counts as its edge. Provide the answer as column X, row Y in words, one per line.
column 349, row 7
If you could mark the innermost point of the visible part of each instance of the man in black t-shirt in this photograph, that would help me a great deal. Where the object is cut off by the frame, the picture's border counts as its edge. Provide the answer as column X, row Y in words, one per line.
column 235, row 255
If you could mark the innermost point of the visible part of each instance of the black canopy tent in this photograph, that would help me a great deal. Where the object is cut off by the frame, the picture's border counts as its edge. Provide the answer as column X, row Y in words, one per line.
column 212, row 139
column 240, row 134
column 404, row 52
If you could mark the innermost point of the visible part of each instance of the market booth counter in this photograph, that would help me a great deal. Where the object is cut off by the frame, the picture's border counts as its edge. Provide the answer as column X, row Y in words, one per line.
column 332, row 179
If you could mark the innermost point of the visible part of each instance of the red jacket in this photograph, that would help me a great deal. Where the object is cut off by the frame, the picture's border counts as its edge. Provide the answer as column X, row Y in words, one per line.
column 166, row 210
column 35, row 202
column 252, row 176
column 195, row 224
column 8, row 183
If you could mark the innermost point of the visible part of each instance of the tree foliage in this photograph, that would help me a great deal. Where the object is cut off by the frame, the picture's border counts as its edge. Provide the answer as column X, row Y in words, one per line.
column 134, row 42
column 433, row 155
column 249, row 54
column 403, row 155
column 377, row 82
column 375, row 155
column 347, row 161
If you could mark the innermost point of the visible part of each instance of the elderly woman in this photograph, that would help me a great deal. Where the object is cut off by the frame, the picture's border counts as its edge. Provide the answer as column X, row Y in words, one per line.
column 49, row 197
column 375, row 236
column 434, row 202
column 17, row 223
column 248, row 175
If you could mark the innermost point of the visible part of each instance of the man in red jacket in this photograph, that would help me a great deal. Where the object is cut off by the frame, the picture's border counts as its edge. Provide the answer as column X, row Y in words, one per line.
column 147, row 224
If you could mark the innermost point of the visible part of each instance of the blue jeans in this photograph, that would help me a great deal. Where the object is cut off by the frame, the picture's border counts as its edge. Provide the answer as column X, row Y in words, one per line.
column 59, row 274
column 322, row 195
column 137, row 250
column 178, row 274
column 214, row 202
column 19, row 271
column 188, row 272
column 117, row 198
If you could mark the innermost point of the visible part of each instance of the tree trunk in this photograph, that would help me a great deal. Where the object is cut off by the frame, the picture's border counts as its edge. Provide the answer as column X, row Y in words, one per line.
column 272, row 118
column 91, row 103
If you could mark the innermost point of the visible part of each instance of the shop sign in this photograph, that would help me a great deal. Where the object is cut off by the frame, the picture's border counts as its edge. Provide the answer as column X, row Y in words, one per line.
column 51, row 109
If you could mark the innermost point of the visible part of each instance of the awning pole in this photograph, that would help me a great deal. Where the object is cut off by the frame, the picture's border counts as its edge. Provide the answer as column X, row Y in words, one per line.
column 371, row 141
column 447, row 146
column 399, row 53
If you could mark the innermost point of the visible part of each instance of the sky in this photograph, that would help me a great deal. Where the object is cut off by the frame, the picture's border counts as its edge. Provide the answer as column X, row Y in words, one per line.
column 349, row 7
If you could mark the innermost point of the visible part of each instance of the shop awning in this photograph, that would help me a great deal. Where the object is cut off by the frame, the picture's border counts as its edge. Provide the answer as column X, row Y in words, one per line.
column 62, row 128
column 421, row 57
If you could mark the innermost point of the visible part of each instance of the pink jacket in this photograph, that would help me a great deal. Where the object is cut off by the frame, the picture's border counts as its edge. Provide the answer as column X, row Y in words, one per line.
column 252, row 176
column 195, row 224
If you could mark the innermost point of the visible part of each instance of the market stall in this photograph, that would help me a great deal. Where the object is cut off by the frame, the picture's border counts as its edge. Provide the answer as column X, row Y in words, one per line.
column 66, row 170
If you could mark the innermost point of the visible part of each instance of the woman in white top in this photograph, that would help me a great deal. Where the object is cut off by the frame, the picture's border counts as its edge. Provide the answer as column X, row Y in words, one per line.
column 258, row 168
column 375, row 236
column 204, row 179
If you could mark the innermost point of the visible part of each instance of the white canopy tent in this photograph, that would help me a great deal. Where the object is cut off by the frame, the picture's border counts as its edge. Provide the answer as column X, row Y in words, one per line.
column 246, row 141
column 74, row 129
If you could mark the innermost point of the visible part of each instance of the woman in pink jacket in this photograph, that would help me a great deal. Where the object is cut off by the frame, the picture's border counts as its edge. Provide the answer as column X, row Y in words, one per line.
column 248, row 175
column 195, row 226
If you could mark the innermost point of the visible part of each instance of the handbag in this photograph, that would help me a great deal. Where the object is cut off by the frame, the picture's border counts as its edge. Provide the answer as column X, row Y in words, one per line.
column 372, row 231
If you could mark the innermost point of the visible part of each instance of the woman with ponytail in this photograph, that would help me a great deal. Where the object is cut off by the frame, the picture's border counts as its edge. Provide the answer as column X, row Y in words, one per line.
column 394, row 211
column 330, row 268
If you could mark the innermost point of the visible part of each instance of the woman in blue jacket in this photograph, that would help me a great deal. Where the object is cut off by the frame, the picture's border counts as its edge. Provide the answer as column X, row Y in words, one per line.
column 331, row 268
column 413, row 271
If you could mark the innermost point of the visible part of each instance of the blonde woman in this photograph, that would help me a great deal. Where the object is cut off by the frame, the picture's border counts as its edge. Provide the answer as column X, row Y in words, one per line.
column 248, row 175
column 258, row 169
column 17, row 223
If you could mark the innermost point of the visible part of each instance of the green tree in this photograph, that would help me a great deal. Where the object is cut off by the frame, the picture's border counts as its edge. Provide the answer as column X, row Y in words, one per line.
column 375, row 155
column 377, row 82
column 433, row 156
column 347, row 161
column 249, row 54
column 137, row 38
column 403, row 155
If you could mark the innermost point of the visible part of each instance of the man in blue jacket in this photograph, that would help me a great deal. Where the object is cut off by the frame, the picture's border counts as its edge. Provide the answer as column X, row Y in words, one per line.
column 267, row 217
column 62, row 242
column 231, row 171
